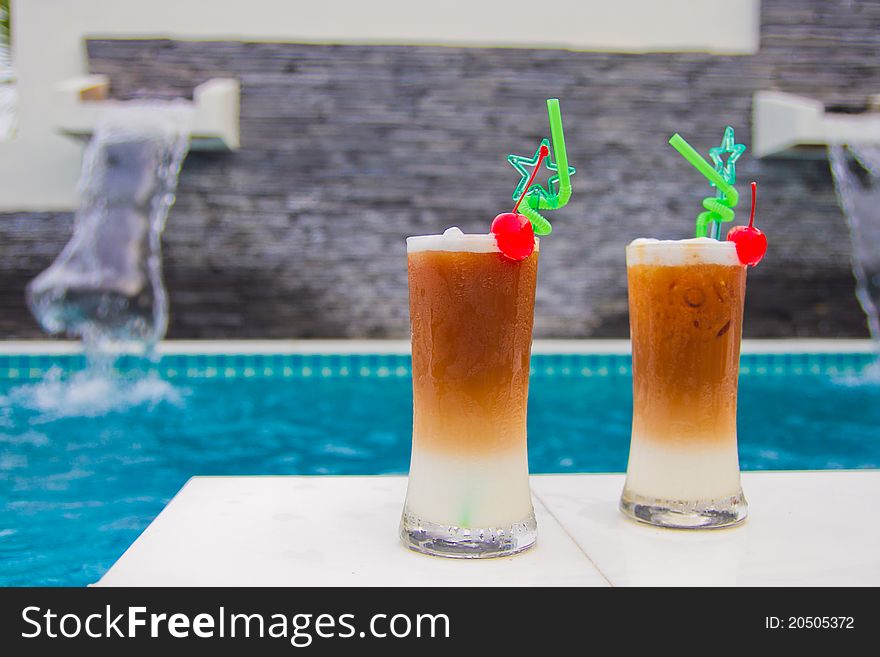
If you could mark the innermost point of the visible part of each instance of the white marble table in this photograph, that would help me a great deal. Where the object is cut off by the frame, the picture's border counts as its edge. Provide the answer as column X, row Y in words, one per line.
column 805, row 528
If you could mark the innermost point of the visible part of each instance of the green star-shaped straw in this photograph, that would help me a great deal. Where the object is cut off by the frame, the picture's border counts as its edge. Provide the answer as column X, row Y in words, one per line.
column 727, row 168
column 728, row 147
column 558, row 189
column 520, row 162
column 718, row 208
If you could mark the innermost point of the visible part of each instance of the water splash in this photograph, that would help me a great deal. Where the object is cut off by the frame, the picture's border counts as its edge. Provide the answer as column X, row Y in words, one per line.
column 106, row 285
column 868, row 376
column 90, row 393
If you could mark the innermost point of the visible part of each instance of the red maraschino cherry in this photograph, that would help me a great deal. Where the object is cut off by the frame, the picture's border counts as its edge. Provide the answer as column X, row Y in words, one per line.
column 751, row 243
column 514, row 234
column 513, row 231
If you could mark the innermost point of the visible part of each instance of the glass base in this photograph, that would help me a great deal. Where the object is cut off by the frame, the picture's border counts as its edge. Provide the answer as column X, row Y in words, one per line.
column 678, row 514
column 467, row 542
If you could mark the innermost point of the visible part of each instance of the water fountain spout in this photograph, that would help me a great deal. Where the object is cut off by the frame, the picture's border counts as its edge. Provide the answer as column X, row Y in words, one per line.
column 105, row 287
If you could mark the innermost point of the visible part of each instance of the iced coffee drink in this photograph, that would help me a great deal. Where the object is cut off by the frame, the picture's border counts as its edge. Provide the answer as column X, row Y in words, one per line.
column 471, row 304
column 686, row 309
column 471, row 312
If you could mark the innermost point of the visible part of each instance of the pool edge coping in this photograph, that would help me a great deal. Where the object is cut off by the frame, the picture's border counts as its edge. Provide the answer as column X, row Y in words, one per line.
column 360, row 346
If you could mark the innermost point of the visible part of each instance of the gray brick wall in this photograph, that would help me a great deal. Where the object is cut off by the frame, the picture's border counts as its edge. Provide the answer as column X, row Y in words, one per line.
column 348, row 149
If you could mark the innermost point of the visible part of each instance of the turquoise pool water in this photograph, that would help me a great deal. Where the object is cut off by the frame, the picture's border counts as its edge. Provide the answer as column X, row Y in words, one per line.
column 87, row 462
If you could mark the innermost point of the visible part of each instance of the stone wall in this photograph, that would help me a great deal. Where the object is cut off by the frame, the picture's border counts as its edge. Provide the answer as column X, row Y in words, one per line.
column 348, row 149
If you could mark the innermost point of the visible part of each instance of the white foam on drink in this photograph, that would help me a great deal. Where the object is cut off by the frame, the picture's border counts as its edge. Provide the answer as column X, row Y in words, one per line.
column 453, row 239
column 676, row 253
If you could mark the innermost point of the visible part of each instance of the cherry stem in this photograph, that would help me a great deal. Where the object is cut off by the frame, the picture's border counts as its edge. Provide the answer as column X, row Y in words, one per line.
column 754, row 199
column 543, row 153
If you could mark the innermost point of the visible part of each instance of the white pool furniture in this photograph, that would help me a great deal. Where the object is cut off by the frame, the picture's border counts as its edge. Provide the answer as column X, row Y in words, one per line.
column 804, row 528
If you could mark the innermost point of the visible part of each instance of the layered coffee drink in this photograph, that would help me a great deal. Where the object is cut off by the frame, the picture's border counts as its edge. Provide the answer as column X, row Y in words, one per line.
column 471, row 311
column 686, row 309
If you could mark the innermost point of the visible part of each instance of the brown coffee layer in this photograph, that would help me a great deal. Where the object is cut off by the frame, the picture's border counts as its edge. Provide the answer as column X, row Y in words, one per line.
column 686, row 326
column 471, row 317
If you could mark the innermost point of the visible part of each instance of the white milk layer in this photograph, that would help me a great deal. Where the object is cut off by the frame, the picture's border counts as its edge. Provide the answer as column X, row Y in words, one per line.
column 455, row 240
column 676, row 253
column 469, row 491
column 685, row 473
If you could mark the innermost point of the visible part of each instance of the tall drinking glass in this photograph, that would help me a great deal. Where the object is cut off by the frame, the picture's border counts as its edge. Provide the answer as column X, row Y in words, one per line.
column 471, row 311
column 686, row 308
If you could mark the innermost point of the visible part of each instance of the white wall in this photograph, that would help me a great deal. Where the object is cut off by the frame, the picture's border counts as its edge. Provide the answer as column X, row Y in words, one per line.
column 39, row 167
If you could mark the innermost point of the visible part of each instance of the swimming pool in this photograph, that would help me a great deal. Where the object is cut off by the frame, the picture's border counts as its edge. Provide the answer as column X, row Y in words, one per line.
column 87, row 462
